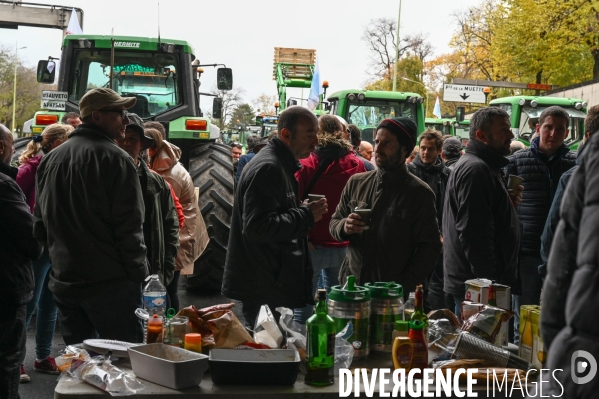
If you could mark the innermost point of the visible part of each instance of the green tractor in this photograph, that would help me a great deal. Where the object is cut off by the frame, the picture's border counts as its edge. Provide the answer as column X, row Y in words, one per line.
column 367, row 108
column 451, row 126
column 524, row 113
column 163, row 75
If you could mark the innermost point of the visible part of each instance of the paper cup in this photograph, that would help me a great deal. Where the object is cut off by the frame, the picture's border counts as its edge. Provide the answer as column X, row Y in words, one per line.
column 314, row 197
column 514, row 181
column 365, row 215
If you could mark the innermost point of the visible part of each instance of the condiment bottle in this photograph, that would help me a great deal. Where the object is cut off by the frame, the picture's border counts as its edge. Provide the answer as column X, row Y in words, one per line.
column 154, row 332
column 419, row 347
column 320, row 330
column 193, row 342
column 402, row 353
column 401, row 330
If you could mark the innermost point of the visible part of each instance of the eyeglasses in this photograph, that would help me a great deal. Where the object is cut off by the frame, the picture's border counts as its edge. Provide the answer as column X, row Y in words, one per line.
column 122, row 112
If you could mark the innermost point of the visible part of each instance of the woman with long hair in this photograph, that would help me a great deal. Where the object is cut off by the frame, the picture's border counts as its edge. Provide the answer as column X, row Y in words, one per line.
column 193, row 237
column 52, row 136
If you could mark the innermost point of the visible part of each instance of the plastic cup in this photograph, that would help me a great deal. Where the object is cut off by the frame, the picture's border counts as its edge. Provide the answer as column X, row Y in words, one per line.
column 365, row 216
column 314, row 197
column 514, row 181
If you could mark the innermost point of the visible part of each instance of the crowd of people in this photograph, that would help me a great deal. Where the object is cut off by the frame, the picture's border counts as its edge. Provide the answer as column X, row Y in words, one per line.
column 100, row 201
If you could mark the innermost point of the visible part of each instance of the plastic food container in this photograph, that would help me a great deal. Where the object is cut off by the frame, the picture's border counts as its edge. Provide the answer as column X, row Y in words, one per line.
column 167, row 365
column 254, row 367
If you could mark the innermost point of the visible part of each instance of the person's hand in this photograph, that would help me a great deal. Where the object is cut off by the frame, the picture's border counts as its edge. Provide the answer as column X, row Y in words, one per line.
column 318, row 208
column 516, row 195
column 353, row 224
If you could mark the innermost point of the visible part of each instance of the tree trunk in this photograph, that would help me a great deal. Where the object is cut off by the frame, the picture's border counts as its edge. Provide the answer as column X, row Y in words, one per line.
column 595, row 53
column 538, row 81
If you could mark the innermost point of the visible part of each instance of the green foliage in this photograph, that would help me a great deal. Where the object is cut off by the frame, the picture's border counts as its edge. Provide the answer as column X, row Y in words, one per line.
column 28, row 90
column 243, row 114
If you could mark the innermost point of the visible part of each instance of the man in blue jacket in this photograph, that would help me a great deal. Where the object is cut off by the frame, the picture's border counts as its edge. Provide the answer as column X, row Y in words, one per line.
column 591, row 126
column 541, row 166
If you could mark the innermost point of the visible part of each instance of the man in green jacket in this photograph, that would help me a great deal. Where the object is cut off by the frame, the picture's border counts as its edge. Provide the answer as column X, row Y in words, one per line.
column 403, row 241
column 161, row 225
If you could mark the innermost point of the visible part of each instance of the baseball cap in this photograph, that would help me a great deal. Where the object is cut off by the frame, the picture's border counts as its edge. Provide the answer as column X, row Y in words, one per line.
column 136, row 123
column 452, row 144
column 97, row 99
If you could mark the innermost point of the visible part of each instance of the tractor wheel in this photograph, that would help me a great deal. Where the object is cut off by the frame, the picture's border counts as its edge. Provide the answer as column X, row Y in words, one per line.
column 211, row 168
column 20, row 146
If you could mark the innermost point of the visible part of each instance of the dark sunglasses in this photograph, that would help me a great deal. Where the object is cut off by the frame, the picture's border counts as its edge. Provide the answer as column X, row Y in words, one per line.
column 122, row 112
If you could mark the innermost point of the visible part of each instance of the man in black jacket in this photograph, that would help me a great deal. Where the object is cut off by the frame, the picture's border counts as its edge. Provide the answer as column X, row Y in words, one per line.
column 161, row 224
column 541, row 166
column 481, row 230
column 89, row 213
column 18, row 248
column 430, row 168
column 268, row 260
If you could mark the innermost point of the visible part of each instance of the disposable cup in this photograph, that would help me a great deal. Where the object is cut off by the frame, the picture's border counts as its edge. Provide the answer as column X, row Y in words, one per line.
column 365, row 216
column 314, row 197
column 514, row 181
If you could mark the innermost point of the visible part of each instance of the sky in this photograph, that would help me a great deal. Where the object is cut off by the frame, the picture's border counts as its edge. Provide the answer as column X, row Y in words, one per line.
column 243, row 34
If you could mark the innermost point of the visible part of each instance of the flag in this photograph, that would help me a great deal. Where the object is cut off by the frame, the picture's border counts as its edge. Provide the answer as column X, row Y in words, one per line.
column 315, row 89
column 437, row 109
column 74, row 28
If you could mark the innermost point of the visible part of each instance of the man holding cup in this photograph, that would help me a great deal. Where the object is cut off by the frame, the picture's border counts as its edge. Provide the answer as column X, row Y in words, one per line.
column 400, row 240
column 541, row 167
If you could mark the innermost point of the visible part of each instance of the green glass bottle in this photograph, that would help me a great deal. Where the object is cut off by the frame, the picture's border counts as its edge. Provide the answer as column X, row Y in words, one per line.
column 419, row 313
column 321, row 344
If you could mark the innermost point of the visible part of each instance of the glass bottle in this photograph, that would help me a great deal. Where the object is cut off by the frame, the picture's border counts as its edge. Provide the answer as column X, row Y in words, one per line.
column 419, row 347
column 419, row 313
column 321, row 344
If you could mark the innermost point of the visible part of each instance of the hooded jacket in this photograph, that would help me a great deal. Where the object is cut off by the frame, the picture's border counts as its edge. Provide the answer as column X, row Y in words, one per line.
column 18, row 246
column 26, row 179
column 481, row 230
column 89, row 213
column 268, row 259
column 402, row 243
column 569, row 294
column 331, row 182
column 161, row 225
column 541, row 177
column 193, row 237
column 553, row 217
column 436, row 176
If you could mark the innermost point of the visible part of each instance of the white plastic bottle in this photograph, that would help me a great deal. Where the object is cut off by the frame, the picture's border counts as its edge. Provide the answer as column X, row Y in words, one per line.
column 154, row 296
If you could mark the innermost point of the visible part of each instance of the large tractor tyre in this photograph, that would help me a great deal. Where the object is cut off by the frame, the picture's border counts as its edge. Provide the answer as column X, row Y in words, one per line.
column 20, row 146
column 211, row 168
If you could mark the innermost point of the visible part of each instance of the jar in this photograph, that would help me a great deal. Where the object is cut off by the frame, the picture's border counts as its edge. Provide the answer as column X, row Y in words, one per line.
column 193, row 342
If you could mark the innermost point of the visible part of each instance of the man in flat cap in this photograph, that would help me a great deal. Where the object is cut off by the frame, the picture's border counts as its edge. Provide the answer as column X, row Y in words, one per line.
column 161, row 225
column 402, row 241
column 89, row 214
column 481, row 230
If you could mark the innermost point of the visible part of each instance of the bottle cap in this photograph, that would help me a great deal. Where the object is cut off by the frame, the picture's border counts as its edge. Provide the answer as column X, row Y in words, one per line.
column 401, row 325
column 321, row 294
column 155, row 320
column 416, row 325
column 193, row 338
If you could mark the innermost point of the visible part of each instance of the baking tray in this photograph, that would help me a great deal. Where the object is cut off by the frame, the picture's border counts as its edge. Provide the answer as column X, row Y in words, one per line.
column 254, row 367
column 167, row 365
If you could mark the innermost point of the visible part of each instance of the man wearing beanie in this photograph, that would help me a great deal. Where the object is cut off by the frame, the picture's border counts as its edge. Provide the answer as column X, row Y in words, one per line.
column 481, row 230
column 89, row 214
column 402, row 241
